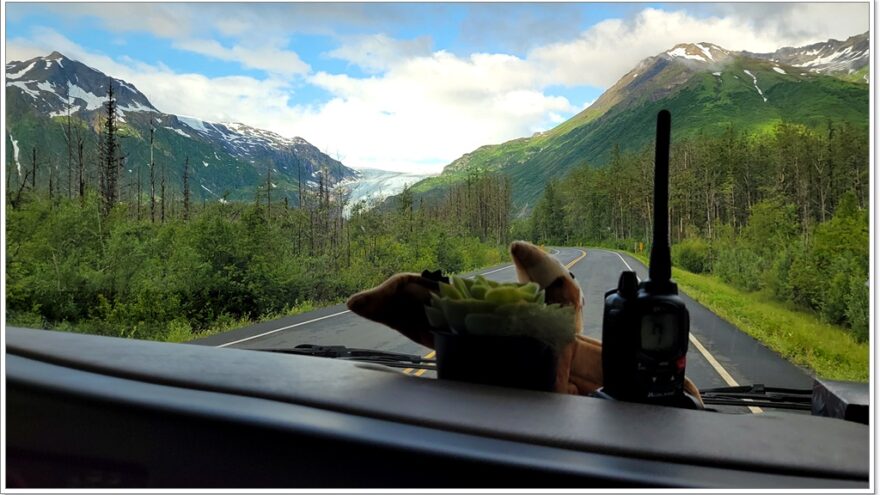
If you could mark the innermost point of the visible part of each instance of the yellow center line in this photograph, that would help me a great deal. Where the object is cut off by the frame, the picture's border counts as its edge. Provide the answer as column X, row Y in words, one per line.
column 568, row 266
column 427, row 356
column 409, row 371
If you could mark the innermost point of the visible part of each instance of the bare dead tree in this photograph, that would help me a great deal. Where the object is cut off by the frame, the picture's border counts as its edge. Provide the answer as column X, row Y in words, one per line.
column 162, row 192
column 152, row 174
column 186, row 189
column 269, row 192
column 68, row 136
column 81, row 166
column 34, row 168
column 138, row 211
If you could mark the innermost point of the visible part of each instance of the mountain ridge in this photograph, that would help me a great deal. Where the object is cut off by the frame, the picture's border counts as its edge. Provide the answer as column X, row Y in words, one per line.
column 229, row 159
column 705, row 86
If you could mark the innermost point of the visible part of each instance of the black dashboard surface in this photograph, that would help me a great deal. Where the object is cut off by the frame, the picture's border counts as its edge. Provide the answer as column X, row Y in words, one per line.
column 138, row 413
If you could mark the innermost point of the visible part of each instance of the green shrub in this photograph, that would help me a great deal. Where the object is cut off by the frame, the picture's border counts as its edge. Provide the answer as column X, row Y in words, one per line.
column 740, row 267
column 857, row 308
column 805, row 279
column 692, row 254
column 835, row 295
column 776, row 279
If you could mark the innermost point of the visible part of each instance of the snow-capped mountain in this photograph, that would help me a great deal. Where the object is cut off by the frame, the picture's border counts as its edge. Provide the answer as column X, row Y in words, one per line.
column 49, row 82
column 228, row 159
column 830, row 57
column 706, row 53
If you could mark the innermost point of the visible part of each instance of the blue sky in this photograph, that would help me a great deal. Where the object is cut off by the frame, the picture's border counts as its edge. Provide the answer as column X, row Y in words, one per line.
column 397, row 86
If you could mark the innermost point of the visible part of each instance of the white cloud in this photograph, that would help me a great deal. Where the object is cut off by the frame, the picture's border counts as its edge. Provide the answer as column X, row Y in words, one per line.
column 268, row 58
column 379, row 52
column 430, row 110
column 609, row 49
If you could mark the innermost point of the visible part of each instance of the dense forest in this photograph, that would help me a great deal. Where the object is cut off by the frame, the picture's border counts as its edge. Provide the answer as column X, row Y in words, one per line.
column 783, row 211
column 72, row 266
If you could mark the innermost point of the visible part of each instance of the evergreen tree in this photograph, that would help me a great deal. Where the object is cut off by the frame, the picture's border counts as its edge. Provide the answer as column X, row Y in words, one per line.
column 110, row 159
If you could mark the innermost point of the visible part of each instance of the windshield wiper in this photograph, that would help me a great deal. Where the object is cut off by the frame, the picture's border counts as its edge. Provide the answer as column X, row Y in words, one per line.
column 392, row 359
column 759, row 396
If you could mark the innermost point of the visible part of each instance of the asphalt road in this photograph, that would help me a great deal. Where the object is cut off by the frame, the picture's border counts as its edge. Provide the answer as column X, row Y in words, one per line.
column 719, row 354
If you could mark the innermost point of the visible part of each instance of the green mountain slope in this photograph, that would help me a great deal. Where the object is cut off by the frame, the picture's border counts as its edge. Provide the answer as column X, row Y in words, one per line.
column 705, row 87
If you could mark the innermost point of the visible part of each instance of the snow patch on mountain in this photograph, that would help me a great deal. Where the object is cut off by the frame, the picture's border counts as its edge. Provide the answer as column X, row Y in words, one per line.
column 126, row 86
column 779, row 70
column 63, row 112
column 705, row 50
column 93, row 101
column 682, row 53
column 136, row 106
column 15, row 154
column 178, row 131
column 755, row 82
column 20, row 73
column 22, row 85
column 49, row 88
column 193, row 122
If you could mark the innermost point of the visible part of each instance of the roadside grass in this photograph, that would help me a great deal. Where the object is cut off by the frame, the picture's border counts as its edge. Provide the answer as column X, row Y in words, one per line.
column 802, row 338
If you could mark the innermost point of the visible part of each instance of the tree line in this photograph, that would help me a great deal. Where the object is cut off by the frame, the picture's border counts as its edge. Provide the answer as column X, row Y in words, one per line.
column 782, row 211
column 126, row 260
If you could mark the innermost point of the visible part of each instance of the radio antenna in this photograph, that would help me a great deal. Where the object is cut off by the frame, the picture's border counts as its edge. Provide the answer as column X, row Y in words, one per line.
column 660, row 271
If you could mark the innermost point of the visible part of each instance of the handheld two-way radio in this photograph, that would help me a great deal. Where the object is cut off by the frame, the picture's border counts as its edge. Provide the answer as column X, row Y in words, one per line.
column 645, row 324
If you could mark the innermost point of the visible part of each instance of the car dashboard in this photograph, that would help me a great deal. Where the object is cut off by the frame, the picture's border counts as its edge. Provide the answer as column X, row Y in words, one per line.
column 87, row 411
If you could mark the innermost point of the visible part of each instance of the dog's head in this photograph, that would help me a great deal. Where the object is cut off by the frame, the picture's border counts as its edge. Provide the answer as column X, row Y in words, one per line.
column 399, row 301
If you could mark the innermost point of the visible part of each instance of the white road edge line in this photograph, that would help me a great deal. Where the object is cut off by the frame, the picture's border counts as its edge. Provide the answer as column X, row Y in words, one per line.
column 705, row 352
column 327, row 316
column 285, row 328
column 719, row 369
column 493, row 271
column 624, row 261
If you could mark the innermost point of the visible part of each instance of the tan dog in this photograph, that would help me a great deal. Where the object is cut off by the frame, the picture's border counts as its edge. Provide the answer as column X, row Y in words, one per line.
column 399, row 303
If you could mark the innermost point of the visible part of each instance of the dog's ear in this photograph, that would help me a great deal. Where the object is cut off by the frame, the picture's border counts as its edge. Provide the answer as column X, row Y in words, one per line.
column 399, row 303
column 560, row 287
column 535, row 265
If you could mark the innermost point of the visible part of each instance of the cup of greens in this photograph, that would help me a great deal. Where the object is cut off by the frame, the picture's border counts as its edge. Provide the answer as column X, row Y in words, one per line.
column 498, row 333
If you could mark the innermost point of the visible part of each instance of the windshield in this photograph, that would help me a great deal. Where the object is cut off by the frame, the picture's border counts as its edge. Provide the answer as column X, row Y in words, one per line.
column 229, row 174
